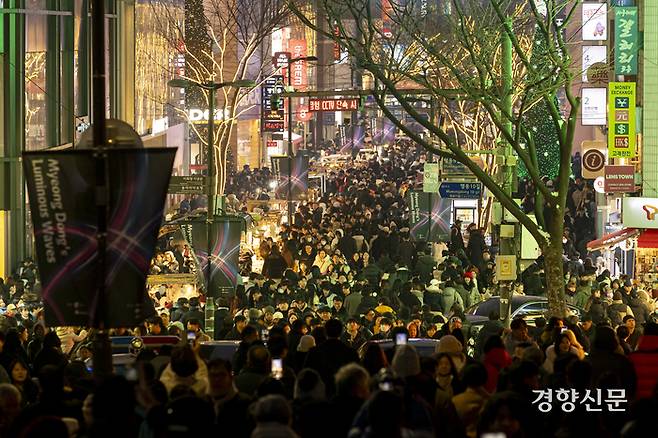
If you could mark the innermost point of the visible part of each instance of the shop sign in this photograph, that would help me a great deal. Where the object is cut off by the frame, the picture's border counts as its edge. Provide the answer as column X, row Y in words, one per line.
column 640, row 212
column 593, row 158
column 619, row 179
column 298, row 70
column 198, row 115
column 303, row 114
column 273, row 125
column 595, row 23
column 621, row 133
column 272, row 144
column 593, row 55
column 280, row 59
column 593, row 106
column 626, row 40
column 333, row 104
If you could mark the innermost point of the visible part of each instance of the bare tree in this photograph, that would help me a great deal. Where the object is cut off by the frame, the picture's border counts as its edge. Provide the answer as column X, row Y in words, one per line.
column 221, row 46
column 455, row 54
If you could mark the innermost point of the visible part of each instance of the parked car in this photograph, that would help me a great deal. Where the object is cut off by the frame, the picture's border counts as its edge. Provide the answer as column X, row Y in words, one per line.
column 218, row 349
column 424, row 346
column 528, row 307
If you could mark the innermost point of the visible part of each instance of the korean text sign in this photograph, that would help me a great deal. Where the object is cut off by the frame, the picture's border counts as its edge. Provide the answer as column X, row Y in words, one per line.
column 626, row 40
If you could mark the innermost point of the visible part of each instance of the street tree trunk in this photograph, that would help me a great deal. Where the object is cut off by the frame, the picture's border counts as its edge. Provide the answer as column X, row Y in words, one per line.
column 554, row 270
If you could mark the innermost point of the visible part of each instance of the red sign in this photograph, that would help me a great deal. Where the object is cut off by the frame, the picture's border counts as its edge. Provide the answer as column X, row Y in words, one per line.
column 272, row 144
column 298, row 69
column 619, row 179
column 333, row 104
column 336, row 45
column 303, row 114
column 273, row 125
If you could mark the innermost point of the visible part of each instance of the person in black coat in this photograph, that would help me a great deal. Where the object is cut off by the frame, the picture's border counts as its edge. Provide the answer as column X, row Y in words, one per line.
column 274, row 264
column 476, row 247
column 610, row 368
column 195, row 312
column 329, row 357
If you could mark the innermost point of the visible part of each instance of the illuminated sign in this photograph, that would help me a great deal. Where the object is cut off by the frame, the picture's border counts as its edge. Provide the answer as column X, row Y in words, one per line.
column 198, row 115
column 333, row 104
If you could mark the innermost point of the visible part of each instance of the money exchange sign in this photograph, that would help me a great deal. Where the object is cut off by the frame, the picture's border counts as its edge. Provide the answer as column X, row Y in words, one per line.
column 621, row 117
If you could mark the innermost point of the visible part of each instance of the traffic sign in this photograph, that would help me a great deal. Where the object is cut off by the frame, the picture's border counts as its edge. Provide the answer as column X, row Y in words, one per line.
column 187, row 185
column 460, row 190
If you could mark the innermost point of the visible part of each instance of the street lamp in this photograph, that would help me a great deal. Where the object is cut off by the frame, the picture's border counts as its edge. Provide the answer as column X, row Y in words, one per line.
column 290, row 149
column 211, row 87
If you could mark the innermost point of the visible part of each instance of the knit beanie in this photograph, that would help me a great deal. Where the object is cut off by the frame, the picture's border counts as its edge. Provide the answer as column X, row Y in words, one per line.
column 449, row 344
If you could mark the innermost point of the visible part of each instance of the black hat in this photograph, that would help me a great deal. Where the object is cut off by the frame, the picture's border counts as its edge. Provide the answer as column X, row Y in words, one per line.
column 323, row 308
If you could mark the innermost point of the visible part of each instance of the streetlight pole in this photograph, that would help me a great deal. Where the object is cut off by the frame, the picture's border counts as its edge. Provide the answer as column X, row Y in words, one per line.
column 290, row 148
column 211, row 87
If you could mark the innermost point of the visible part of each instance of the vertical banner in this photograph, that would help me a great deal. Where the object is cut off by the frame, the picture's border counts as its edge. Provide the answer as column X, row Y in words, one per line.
column 595, row 22
column 429, row 217
column 387, row 20
column 353, row 139
column 62, row 190
column 626, row 40
column 621, row 132
column 224, row 239
column 298, row 69
column 298, row 174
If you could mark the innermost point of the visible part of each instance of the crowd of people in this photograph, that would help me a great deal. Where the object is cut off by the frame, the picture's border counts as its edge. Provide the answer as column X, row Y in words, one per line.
column 325, row 339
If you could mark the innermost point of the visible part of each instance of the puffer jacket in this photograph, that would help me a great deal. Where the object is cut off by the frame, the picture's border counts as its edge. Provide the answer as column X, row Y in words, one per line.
column 645, row 362
column 448, row 298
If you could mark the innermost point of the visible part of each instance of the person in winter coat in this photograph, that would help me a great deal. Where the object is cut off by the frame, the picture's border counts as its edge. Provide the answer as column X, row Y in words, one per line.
column 596, row 307
column 449, row 297
column 618, row 309
column 274, row 264
column 639, row 308
column 609, row 365
column 582, row 296
column 469, row 403
column 645, row 361
column 476, row 247
column 496, row 359
column 472, row 295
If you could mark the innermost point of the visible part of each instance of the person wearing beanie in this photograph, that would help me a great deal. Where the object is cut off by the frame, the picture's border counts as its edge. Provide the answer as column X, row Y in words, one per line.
column 406, row 362
column 451, row 346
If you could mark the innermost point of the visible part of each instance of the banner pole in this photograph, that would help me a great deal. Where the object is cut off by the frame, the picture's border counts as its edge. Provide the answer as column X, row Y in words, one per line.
column 102, row 354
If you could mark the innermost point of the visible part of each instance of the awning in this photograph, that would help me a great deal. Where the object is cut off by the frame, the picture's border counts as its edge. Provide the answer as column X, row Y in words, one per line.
column 648, row 239
column 613, row 238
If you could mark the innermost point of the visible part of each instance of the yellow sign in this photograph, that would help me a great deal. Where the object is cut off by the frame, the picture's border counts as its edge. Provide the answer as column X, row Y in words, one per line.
column 506, row 267
column 621, row 120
